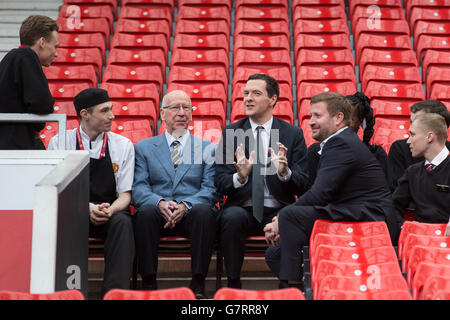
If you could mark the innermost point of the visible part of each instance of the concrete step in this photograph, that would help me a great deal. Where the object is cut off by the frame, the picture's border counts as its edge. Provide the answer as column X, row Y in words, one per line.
column 17, row 16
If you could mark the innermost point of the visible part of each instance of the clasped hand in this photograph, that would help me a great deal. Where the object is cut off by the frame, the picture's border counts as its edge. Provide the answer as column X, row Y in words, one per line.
column 172, row 212
column 100, row 213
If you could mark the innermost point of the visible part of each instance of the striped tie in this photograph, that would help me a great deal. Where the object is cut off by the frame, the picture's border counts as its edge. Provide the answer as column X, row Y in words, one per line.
column 175, row 154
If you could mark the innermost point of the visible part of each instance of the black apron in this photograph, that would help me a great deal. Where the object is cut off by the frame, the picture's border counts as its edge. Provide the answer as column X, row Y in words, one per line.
column 102, row 182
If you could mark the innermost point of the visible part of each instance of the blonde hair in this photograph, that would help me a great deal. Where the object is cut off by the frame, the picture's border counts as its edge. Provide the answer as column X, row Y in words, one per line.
column 433, row 122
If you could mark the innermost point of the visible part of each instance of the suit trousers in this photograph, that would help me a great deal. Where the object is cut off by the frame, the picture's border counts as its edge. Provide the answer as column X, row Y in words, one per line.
column 199, row 225
column 236, row 224
column 118, row 236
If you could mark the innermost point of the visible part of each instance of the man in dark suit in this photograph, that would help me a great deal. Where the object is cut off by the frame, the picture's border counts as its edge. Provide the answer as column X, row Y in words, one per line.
column 256, row 185
column 400, row 157
column 350, row 186
column 174, row 193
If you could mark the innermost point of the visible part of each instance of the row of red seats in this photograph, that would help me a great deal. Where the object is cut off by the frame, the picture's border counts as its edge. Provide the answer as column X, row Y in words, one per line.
column 354, row 261
column 425, row 255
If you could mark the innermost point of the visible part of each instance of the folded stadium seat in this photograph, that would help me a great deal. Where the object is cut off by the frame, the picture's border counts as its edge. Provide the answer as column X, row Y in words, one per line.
column 147, row 27
column 262, row 13
column 399, row 75
column 227, row 3
column 389, row 57
column 357, row 295
column 281, row 74
column 157, row 13
column 432, row 58
column 382, row 108
column 437, row 74
column 384, row 27
column 307, row 132
column 65, row 107
column 66, row 91
column 325, row 26
column 365, row 4
column 385, row 283
column 204, row 12
column 381, row 41
column 51, row 129
column 427, row 42
column 429, row 4
column 318, row 12
column 132, row 92
column 201, row 27
column 80, row 57
column 382, row 13
column 70, row 75
column 340, row 269
column 324, row 57
column 261, row 59
column 58, row 295
column 135, row 58
column 136, row 110
column 426, row 229
column 441, row 92
column 437, row 288
column 135, row 130
column 86, row 40
column 88, row 11
column 140, row 42
column 425, row 271
column 112, row 4
column 387, row 130
column 285, row 92
column 428, row 14
column 259, row 42
column 260, row 3
column 200, row 41
column 241, row 294
column 214, row 93
column 210, row 130
column 181, row 293
column 150, row 4
column 134, row 75
column 340, row 73
column 430, row 28
column 200, row 58
column 198, row 75
column 315, row 3
column 412, row 240
column 259, row 28
column 87, row 25
column 209, row 110
column 282, row 110
column 421, row 254
column 322, row 42
column 395, row 91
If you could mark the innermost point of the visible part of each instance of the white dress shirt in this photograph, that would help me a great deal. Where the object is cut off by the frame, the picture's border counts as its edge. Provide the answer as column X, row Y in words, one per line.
column 439, row 158
column 325, row 141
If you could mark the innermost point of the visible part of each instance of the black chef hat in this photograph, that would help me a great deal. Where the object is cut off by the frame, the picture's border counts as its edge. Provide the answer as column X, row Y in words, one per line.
column 89, row 98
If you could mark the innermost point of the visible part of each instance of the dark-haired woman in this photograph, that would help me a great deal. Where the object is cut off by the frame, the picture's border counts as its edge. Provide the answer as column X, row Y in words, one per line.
column 362, row 116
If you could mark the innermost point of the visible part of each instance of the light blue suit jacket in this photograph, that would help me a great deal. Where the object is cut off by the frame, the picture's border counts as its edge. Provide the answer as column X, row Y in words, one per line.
column 155, row 177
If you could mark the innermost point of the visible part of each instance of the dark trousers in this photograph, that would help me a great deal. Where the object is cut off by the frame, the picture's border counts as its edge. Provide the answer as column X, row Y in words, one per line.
column 236, row 224
column 199, row 225
column 118, row 236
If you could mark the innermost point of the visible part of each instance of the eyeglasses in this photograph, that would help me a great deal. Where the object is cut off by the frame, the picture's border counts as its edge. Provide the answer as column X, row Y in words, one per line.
column 176, row 107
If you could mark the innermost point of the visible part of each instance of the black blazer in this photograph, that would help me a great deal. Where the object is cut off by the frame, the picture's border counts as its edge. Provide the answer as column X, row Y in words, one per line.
column 350, row 183
column 290, row 136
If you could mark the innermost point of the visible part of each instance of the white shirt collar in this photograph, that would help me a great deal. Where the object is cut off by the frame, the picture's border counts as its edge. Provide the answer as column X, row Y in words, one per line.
column 84, row 136
column 439, row 158
column 267, row 126
column 183, row 139
column 322, row 144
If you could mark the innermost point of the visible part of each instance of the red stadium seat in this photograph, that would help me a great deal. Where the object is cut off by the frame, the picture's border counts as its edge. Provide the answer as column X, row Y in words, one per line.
column 397, row 92
column 387, row 130
column 386, row 283
column 226, row 3
column 422, row 28
column 262, row 13
column 285, row 92
column 136, row 110
column 200, row 41
column 71, row 75
column 385, row 27
column 203, row 27
column 198, row 75
column 426, row 229
column 324, row 57
column 159, row 13
column 389, row 108
column 425, row 271
column 127, row 127
column 209, row 130
column 101, row 25
column 328, row 26
column 356, row 295
column 261, row 3
column 86, row 40
column 428, row 14
column 421, row 254
column 51, row 129
column 318, row 13
column 382, row 13
column 79, row 57
column 390, row 74
column 240, row 294
column 282, row 110
column 326, row 41
column 201, row 58
column 260, row 42
column 181, row 293
column 209, row 110
column 427, row 42
column 88, row 11
column 281, row 74
column 380, row 41
column 66, row 91
column 262, row 27
column 139, row 42
column 441, row 92
column 65, row 107
column 307, row 133
column 202, row 93
column 189, row 12
column 149, row 3
column 58, row 295
column 134, row 92
column 437, row 288
column 112, row 4
column 314, row 3
column 256, row 58
column 432, row 58
column 437, row 74
column 325, row 74
column 435, row 4
column 134, row 26
column 354, row 4
column 133, row 75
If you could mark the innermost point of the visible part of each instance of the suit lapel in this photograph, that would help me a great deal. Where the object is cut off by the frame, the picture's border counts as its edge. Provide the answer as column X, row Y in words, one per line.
column 163, row 155
column 189, row 151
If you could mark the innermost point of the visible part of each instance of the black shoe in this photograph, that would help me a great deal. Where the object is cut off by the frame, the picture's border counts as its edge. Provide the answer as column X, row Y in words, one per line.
column 284, row 284
column 235, row 283
column 198, row 286
column 149, row 283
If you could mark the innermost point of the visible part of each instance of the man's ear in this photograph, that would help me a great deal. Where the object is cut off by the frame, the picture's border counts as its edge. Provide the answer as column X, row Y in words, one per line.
column 339, row 118
column 430, row 136
column 273, row 100
column 83, row 113
column 41, row 42
column 162, row 114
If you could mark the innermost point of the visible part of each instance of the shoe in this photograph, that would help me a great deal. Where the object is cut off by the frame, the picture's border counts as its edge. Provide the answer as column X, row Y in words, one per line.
column 198, row 286
column 235, row 283
column 199, row 293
